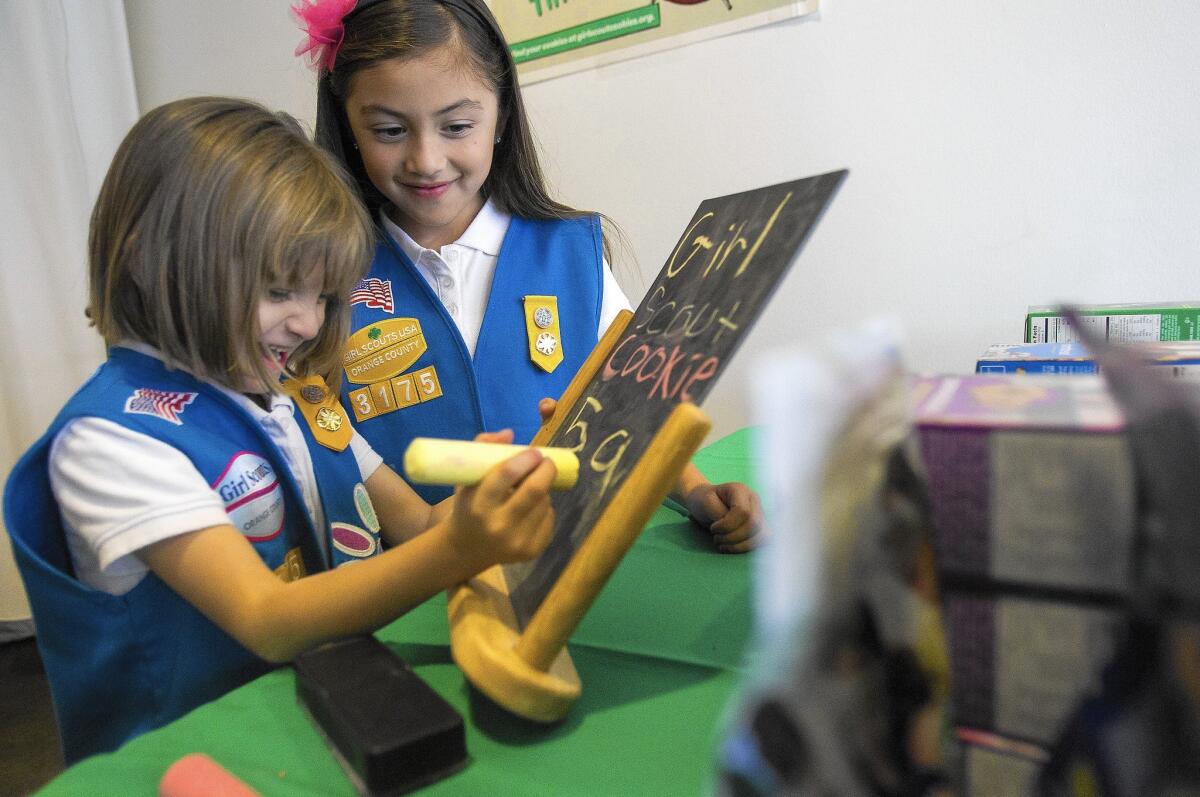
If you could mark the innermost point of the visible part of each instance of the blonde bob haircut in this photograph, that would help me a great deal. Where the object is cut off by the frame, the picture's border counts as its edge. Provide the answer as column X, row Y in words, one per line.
column 209, row 204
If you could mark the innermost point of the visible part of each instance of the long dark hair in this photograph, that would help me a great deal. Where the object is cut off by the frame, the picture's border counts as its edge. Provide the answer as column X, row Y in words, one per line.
column 385, row 29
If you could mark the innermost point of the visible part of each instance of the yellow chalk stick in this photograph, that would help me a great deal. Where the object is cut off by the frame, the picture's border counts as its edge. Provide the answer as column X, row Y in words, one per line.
column 431, row 460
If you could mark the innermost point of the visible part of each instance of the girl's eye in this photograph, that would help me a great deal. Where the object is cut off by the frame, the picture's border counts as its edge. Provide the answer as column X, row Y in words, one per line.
column 459, row 128
column 279, row 294
column 390, row 133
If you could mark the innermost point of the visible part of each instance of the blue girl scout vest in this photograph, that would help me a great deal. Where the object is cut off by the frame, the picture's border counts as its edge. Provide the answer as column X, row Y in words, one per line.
column 120, row 665
column 408, row 372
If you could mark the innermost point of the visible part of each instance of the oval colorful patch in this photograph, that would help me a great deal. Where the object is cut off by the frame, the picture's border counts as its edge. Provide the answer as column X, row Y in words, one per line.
column 353, row 541
column 366, row 510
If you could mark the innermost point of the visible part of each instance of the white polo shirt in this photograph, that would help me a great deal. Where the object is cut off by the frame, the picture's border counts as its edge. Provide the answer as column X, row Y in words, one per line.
column 119, row 490
column 461, row 273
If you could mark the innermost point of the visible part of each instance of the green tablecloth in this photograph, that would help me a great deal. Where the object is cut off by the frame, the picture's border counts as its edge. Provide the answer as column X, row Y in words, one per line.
column 660, row 655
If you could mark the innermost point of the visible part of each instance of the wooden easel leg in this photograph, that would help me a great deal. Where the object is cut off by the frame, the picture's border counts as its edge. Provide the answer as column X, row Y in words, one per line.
column 530, row 673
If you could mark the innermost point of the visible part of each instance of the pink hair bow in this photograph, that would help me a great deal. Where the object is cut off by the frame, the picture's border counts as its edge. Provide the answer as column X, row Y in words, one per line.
column 321, row 21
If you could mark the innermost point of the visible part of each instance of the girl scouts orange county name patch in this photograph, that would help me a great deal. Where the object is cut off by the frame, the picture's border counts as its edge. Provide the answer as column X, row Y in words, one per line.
column 252, row 496
column 541, row 327
column 376, row 356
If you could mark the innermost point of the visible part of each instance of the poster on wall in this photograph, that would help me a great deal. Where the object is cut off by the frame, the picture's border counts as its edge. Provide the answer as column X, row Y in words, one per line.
column 554, row 37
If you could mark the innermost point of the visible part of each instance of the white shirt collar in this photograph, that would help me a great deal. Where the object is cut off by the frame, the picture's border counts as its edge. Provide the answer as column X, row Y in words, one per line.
column 485, row 233
column 487, row 230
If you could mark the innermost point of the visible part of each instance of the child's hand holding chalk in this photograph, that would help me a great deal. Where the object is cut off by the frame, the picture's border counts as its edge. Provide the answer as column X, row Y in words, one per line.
column 434, row 461
column 505, row 516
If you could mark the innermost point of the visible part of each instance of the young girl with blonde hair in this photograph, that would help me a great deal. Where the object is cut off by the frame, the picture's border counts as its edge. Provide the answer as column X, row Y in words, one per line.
column 180, row 526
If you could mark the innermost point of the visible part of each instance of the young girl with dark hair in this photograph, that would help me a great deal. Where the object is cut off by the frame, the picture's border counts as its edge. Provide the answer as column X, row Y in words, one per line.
column 485, row 294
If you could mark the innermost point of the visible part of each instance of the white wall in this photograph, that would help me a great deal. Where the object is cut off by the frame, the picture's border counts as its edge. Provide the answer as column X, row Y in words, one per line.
column 67, row 90
column 1001, row 154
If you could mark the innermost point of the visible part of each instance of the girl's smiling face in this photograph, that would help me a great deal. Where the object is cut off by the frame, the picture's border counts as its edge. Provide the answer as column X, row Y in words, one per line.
column 425, row 128
column 287, row 318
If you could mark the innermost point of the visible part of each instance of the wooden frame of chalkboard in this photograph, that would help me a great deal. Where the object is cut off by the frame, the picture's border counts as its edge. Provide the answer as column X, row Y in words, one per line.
column 630, row 415
column 527, row 670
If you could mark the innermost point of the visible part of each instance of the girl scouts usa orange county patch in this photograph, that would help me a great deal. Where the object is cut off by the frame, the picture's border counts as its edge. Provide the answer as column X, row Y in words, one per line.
column 376, row 356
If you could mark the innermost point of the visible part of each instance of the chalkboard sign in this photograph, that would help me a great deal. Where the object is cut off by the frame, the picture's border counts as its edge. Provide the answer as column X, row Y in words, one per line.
column 726, row 265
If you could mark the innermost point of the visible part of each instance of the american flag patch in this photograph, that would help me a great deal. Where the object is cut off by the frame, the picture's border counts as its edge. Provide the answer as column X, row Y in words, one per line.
column 165, row 404
column 374, row 293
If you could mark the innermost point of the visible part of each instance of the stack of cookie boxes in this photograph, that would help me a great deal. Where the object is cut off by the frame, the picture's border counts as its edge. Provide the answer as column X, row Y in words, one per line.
column 1034, row 510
